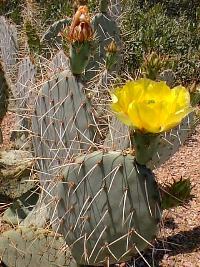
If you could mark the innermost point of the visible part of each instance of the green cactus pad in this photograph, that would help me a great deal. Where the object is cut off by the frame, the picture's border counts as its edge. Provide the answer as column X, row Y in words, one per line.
column 60, row 62
column 63, row 123
column 106, row 30
column 108, row 207
column 115, row 9
column 118, row 137
column 30, row 247
column 8, row 43
column 51, row 36
column 39, row 216
column 171, row 141
column 168, row 76
column 24, row 95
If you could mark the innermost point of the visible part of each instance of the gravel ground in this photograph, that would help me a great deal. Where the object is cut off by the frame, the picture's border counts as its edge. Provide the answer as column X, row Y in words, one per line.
column 7, row 126
column 178, row 243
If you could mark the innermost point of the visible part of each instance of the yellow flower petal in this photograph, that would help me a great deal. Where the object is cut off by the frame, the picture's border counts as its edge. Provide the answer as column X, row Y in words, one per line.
column 151, row 106
column 157, row 91
column 145, row 112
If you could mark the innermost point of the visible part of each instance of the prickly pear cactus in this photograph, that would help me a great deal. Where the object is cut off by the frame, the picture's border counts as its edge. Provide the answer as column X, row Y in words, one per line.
column 168, row 76
column 21, row 207
column 103, row 199
column 60, row 62
column 115, row 9
column 169, row 142
column 8, row 43
column 118, row 137
column 24, row 94
column 63, row 124
column 34, row 247
column 51, row 36
column 106, row 31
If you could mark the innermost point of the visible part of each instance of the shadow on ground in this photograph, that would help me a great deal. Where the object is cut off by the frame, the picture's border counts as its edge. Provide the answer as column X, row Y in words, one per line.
column 181, row 243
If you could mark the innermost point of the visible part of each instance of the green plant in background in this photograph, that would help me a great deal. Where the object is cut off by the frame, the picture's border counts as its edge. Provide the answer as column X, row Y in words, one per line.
column 13, row 9
column 148, row 27
column 175, row 8
column 195, row 94
column 33, row 38
column 55, row 9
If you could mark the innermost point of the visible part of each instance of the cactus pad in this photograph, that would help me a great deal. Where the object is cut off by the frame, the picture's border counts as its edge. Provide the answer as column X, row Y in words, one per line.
column 60, row 62
column 29, row 247
column 21, row 207
column 171, row 141
column 108, row 208
column 118, row 136
column 51, row 37
column 8, row 43
column 24, row 95
column 63, row 123
column 106, row 31
column 168, row 76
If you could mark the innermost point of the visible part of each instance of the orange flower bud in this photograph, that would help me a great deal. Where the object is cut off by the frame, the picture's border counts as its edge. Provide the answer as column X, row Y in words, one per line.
column 80, row 29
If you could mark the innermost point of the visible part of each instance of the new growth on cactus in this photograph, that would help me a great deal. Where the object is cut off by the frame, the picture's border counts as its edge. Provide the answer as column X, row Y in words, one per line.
column 80, row 35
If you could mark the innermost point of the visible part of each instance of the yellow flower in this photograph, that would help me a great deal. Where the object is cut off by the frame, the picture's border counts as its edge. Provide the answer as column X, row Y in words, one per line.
column 149, row 106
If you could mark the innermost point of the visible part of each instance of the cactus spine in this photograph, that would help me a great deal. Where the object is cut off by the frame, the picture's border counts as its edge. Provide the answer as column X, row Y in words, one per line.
column 103, row 197
column 63, row 123
column 34, row 247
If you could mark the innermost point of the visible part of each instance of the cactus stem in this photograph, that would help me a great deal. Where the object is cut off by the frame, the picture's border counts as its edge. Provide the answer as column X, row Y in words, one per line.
column 145, row 146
